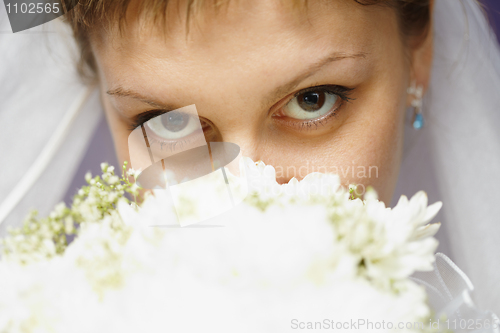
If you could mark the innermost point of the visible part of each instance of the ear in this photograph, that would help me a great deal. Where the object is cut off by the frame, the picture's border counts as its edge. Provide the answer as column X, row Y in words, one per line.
column 422, row 55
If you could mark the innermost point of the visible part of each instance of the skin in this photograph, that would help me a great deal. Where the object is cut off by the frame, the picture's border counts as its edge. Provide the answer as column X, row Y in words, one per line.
column 231, row 62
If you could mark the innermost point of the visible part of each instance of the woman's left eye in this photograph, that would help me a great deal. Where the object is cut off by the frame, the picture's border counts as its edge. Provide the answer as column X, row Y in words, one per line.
column 311, row 104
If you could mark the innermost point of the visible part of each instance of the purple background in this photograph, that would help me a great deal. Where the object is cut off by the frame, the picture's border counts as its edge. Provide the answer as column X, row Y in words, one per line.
column 493, row 9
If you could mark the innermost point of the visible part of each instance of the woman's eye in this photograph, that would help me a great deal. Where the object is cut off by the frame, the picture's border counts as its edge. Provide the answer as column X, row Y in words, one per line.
column 311, row 104
column 173, row 125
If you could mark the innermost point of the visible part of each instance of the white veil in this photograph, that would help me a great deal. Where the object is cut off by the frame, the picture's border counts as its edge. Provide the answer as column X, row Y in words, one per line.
column 455, row 158
column 45, row 124
column 48, row 122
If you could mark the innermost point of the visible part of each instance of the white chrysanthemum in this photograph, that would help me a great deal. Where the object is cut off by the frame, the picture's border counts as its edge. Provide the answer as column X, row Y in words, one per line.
column 302, row 250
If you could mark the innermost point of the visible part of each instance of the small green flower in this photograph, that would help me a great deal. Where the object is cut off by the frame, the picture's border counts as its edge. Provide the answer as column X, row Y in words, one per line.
column 44, row 238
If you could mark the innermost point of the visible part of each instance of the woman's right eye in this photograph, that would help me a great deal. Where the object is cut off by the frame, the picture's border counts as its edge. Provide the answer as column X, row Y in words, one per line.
column 173, row 125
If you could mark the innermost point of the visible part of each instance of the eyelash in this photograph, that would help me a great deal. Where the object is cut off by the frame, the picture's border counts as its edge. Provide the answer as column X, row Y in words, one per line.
column 341, row 91
column 144, row 118
column 171, row 145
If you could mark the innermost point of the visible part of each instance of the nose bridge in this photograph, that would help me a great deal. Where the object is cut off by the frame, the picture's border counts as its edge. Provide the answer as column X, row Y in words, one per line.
column 248, row 139
column 238, row 116
column 238, row 121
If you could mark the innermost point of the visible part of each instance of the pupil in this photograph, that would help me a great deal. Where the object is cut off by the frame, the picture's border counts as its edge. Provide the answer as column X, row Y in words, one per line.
column 311, row 101
column 174, row 121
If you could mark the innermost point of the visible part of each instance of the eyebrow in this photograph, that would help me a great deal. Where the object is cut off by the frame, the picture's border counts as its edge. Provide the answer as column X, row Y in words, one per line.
column 274, row 95
column 310, row 71
column 122, row 92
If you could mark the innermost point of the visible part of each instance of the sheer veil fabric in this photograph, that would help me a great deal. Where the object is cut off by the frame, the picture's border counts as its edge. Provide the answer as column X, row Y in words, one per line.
column 455, row 158
column 44, row 131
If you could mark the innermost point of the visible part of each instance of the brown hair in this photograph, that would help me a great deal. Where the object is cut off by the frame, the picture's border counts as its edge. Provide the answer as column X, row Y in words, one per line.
column 89, row 15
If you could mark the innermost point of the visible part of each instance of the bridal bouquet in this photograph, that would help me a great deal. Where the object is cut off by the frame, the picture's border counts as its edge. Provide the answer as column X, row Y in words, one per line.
column 307, row 255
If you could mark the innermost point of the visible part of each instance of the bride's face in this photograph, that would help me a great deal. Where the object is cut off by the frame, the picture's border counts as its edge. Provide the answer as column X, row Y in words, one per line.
column 316, row 90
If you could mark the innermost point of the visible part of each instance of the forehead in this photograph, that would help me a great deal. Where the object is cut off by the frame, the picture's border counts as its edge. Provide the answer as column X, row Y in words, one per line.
column 246, row 39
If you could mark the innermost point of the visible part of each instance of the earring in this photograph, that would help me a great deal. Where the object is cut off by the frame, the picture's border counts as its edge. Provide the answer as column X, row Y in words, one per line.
column 417, row 92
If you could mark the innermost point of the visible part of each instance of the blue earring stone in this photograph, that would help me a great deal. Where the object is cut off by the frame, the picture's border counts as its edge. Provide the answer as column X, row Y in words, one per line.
column 418, row 122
